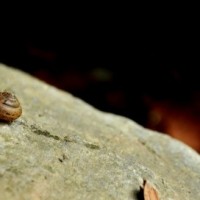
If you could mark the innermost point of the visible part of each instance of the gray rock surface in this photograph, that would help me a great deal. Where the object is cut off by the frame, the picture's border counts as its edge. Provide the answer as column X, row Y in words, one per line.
column 62, row 148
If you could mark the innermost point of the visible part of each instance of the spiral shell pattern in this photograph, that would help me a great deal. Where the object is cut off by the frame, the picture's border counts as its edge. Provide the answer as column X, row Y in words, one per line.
column 10, row 108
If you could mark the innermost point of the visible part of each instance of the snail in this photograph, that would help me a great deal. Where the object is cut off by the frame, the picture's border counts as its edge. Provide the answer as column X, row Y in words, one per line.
column 10, row 108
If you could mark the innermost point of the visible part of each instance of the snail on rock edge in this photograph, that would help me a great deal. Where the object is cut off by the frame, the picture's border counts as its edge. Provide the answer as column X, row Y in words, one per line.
column 10, row 108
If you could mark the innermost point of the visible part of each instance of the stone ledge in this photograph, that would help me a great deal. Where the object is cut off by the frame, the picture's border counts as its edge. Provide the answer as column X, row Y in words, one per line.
column 63, row 148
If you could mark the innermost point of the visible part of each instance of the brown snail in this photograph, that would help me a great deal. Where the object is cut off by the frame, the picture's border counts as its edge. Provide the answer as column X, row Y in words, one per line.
column 10, row 108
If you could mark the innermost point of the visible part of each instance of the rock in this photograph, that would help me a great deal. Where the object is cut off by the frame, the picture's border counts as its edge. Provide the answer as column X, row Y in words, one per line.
column 62, row 148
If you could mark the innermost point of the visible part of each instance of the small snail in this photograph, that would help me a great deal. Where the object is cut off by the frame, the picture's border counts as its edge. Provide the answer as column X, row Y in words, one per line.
column 10, row 108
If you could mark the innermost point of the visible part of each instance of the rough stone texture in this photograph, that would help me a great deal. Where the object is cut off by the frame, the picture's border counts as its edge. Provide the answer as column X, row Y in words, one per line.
column 63, row 148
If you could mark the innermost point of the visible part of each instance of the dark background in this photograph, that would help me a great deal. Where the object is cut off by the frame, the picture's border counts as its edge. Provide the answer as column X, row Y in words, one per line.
column 129, row 67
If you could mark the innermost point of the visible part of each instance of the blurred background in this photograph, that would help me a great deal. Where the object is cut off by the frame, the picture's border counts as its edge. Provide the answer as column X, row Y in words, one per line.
column 143, row 71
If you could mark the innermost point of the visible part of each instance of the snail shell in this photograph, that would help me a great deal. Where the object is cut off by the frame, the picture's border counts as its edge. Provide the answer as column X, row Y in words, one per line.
column 10, row 108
